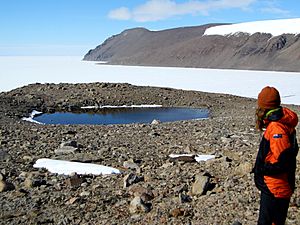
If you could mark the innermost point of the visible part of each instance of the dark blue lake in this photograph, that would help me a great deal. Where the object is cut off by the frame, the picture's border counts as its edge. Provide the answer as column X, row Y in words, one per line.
column 123, row 116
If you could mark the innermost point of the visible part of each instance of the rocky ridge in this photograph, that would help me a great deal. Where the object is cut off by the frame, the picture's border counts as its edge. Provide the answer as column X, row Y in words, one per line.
column 188, row 47
column 152, row 189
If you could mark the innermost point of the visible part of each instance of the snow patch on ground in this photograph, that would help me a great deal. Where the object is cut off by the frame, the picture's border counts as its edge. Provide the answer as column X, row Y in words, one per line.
column 67, row 167
column 31, row 116
column 198, row 157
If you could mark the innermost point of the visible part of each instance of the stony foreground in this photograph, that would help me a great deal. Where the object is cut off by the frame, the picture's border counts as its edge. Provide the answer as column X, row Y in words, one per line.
column 152, row 189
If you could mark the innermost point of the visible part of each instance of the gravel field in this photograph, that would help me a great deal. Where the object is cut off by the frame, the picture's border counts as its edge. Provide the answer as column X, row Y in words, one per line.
column 152, row 188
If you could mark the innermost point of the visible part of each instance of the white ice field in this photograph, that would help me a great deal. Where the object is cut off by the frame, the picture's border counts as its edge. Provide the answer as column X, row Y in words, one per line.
column 19, row 71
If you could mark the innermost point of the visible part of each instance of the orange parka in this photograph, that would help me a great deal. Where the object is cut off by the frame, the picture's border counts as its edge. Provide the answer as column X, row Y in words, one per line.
column 275, row 166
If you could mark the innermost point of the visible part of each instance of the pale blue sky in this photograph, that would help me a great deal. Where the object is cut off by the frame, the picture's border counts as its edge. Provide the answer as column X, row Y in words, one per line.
column 72, row 27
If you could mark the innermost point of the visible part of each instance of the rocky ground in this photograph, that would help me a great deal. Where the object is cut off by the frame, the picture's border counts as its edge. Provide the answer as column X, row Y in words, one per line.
column 152, row 189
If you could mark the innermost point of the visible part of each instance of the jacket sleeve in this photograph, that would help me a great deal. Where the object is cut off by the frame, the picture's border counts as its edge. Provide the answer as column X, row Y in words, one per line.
column 277, row 161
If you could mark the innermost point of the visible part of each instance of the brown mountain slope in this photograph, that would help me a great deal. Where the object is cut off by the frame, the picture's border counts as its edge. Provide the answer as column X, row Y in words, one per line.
column 187, row 47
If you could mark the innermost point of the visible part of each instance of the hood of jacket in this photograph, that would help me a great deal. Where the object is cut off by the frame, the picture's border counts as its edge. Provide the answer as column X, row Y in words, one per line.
column 284, row 116
column 289, row 118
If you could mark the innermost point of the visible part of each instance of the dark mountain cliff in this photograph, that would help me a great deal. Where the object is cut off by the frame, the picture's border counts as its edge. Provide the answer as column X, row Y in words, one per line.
column 188, row 47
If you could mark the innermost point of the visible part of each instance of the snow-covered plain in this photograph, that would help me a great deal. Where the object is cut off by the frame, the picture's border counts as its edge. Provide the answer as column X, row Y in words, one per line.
column 19, row 71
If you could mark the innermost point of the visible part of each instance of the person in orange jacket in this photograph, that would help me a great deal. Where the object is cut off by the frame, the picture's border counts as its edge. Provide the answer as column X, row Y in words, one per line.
column 275, row 166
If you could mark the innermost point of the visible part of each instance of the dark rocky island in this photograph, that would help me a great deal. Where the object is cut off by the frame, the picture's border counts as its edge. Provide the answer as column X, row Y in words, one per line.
column 152, row 188
column 188, row 47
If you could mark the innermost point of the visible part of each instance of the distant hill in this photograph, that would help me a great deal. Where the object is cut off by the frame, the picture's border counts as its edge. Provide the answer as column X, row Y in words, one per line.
column 236, row 46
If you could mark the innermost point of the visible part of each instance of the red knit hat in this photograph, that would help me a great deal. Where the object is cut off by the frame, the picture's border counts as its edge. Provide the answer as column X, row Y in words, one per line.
column 268, row 98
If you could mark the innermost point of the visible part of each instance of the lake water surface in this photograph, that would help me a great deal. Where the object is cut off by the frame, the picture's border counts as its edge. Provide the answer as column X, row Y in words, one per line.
column 124, row 116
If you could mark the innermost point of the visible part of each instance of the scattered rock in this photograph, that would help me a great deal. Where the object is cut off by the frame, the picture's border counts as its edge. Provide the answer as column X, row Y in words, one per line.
column 155, row 122
column 72, row 201
column 65, row 150
column 130, row 179
column 71, row 132
column 183, row 158
column 6, row 186
column 31, row 182
column 145, row 193
column 226, row 140
column 85, row 193
column 130, row 164
column 184, row 198
column 71, row 143
column 167, row 165
column 74, row 181
column 189, row 149
column 138, row 206
column 200, row 186
column 181, row 188
column 177, row 212
column 28, row 158
column 4, row 155
column 67, row 147
column 1, row 177
column 2, row 186
column 243, row 169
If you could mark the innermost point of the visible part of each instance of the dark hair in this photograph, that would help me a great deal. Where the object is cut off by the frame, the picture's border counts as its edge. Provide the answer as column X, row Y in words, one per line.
column 259, row 118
